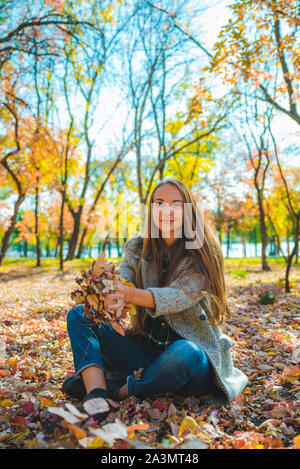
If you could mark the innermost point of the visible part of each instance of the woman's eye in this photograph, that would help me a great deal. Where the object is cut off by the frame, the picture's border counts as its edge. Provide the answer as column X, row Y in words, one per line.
column 175, row 205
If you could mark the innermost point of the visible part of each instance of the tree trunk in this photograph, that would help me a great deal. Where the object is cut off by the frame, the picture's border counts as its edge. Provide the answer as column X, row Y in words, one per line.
column 277, row 247
column 61, row 231
column 244, row 248
column 220, row 235
column 8, row 232
column 80, row 248
column 25, row 248
column 228, row 242
column 118, row 246
column 263, row 232
column 75, row 234
column 56, row 248
column 272, row 246
column 37, row 236
column 106, row 242
column 161, row 172
column 293, row 253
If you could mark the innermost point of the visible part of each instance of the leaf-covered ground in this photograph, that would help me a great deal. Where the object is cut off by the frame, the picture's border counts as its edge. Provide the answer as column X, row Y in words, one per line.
column 35, row 358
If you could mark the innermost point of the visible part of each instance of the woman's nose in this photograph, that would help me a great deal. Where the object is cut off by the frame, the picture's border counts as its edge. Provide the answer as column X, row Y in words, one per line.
column 167, row 210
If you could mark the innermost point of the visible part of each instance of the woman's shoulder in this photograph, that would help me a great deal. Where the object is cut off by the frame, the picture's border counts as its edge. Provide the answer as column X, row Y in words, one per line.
column 134, row 246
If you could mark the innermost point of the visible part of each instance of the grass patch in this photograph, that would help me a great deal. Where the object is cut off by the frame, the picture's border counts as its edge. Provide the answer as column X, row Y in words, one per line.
column 267, row 298
column 50, row 264
column 237, row 268
column 239, row 273
column 252, row 262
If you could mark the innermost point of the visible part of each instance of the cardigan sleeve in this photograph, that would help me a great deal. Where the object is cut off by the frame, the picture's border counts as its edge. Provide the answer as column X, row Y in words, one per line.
column 126, row 271
column 132, row 253
column 184, row 292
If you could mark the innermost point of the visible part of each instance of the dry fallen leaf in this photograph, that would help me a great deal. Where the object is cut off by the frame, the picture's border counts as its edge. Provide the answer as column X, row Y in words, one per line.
column 36, row 358
column 110, row 432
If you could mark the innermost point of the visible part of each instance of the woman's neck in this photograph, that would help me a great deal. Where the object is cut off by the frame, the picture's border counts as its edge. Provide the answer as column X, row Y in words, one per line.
column 170, row 243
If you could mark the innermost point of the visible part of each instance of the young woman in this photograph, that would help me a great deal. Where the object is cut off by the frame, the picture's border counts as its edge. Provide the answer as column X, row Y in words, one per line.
column 175, row 344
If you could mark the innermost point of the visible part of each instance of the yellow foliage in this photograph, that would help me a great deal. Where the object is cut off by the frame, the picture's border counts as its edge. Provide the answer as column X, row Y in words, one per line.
column 187, row 423
column 6, row 403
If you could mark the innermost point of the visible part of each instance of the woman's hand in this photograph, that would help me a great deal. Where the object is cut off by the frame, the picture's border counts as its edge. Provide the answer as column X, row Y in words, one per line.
column 116, row 301
column 135, row 296
column 125, row 290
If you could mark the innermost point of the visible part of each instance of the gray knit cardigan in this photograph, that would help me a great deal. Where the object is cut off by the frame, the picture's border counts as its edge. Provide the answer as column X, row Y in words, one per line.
column 182, row 303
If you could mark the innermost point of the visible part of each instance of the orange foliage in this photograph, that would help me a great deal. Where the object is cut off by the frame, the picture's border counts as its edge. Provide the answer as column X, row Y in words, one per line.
column 240, row 54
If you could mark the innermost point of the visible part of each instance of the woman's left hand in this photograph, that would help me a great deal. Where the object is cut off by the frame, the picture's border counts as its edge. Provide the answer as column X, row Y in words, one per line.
column 116, row 301
column 124, row 290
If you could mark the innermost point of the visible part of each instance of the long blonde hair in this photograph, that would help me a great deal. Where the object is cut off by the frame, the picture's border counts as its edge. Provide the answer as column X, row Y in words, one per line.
column 209, row 260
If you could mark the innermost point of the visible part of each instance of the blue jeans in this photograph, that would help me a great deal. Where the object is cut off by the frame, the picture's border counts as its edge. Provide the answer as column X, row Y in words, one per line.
column 183, row 368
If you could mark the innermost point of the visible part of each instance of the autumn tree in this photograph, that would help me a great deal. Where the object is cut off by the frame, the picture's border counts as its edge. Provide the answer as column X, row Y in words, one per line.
column 38, row 29
column 86, row 68
column 289, row 188
column 220, row 186
column 257, row 140
column 280, row 222
column 33, row 33
column 193, row 163
column 156, row 82
column 259, row 46
column 10, row 163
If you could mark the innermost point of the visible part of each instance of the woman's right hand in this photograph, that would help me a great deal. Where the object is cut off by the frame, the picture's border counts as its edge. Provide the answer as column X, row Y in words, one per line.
column 115, row 302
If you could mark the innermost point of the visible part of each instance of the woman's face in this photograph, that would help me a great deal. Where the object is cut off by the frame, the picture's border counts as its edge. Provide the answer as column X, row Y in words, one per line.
column 167, row 210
